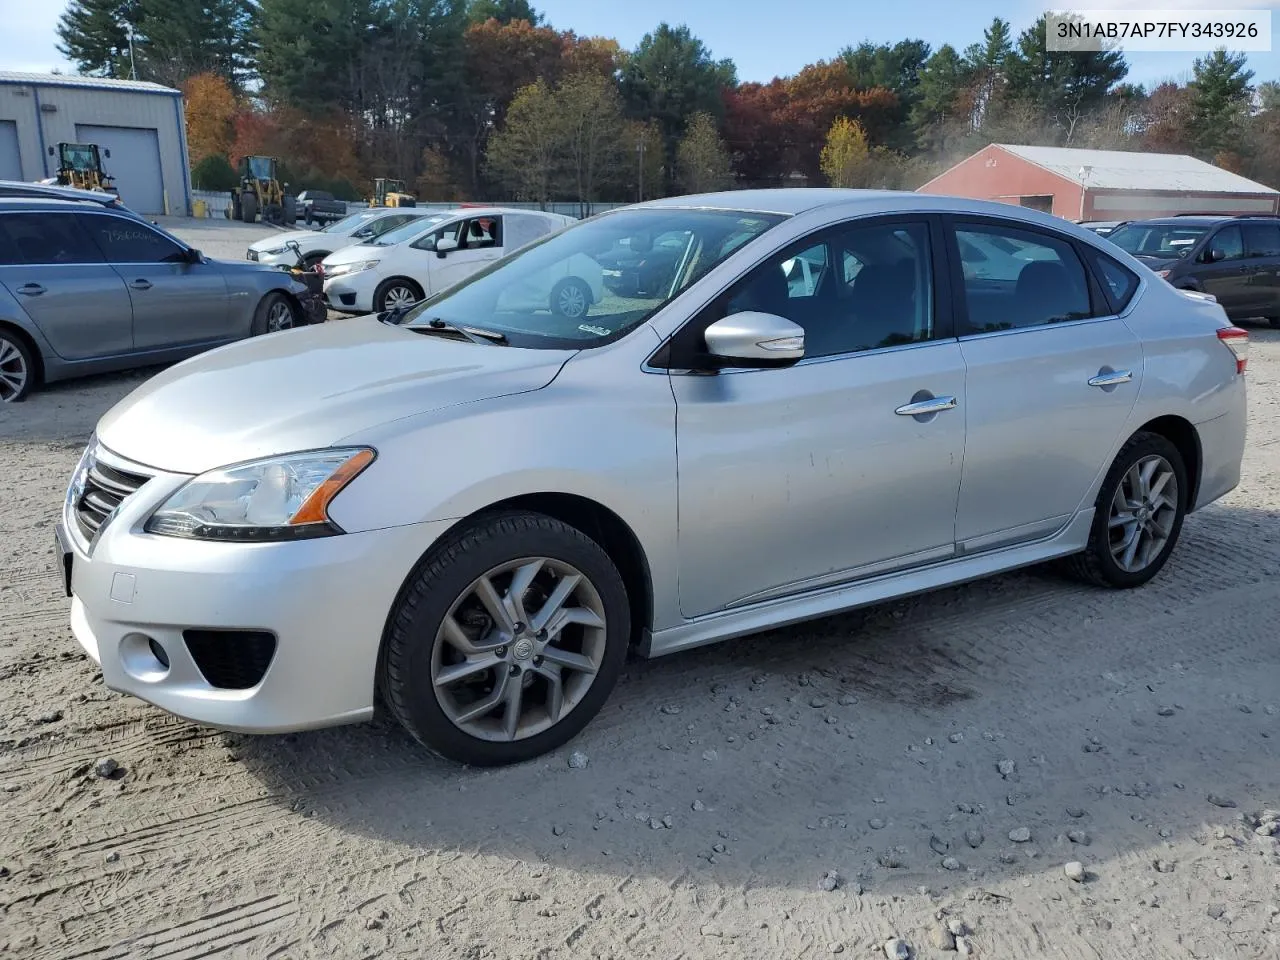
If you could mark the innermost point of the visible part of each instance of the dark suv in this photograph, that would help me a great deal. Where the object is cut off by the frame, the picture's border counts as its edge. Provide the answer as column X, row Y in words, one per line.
column 1236, row 259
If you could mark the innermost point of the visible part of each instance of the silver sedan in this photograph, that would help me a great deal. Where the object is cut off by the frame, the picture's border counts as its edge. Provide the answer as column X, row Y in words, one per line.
column 89, row 287
column 473, row 510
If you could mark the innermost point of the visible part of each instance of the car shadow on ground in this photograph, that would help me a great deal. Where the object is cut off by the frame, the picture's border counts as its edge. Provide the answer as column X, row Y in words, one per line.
column 877, row 743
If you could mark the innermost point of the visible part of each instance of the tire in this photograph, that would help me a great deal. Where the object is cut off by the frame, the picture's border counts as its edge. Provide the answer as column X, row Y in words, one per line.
column 17, row 368
column 308, row 217
column 289, row 207
column 416, row 653
column 388, row 292
column 270, row 317
column 571, row 299
column 248, row 207
column 1098, row 564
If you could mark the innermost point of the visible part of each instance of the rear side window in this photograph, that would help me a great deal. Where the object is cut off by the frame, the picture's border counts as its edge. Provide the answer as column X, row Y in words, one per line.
column 127, row 241
column 46, row 238
column 1261, row 239
column 1120, row 282
column 1016, row 278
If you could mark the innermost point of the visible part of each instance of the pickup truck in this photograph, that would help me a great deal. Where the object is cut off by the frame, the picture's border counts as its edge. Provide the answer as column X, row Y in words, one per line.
column 318, row 206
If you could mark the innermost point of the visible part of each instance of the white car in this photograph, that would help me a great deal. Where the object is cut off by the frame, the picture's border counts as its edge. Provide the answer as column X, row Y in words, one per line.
column 315, row 245
column 422, row 258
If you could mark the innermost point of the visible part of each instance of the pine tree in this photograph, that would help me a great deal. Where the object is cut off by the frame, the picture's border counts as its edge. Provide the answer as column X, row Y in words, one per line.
column 94, row 35
column 1220, row 98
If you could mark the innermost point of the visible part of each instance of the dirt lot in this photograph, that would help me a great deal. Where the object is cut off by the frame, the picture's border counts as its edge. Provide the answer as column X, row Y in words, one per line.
column 944, row 756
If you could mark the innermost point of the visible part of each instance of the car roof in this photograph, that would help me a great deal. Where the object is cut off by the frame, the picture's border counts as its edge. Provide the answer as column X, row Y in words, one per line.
column 55, row 204
column 1207, row 219
column 20, row 188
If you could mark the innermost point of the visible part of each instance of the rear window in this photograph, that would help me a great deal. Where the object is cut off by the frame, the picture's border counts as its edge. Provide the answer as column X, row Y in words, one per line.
column 1119, row 281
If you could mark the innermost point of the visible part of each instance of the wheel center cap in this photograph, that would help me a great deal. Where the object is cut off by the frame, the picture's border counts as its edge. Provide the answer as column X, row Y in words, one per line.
column 522, row 649
column 1144, row 514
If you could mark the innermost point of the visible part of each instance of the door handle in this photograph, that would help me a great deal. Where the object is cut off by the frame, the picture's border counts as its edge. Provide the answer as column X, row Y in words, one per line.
column 1111, row 378
column 922, row 408
column 31, row 289
column 141, row 284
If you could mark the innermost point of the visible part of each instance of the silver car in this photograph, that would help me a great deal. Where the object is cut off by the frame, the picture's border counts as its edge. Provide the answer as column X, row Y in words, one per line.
column 473, row 510
column 86, row 288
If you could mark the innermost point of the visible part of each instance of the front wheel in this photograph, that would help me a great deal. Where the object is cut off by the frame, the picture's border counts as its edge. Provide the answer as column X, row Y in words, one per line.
column 570, row 298
column 275, row 313
column 395, row 293
column 248, row 207
column 1138, row 515
column 289, row 210
column 17, row 368
column 506, row 641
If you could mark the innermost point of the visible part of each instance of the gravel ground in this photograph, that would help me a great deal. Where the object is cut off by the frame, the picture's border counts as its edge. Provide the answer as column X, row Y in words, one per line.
column 1020, row 767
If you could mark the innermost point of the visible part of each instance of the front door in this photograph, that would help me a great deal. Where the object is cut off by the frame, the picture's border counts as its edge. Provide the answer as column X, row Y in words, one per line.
column 175, row 303
column 1225, row 271
column 1051, row 383
column 57, row 275
column 479, row 244
column 1262, row 252
column 809, row 476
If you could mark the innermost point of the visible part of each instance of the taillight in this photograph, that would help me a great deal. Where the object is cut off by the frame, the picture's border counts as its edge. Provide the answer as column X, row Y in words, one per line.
column 1237, row 341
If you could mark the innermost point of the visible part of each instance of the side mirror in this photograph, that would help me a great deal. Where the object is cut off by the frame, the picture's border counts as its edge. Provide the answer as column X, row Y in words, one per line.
column 1216, row 255
column 293, row 245
column 444, row 245
column 752, row 339
column 106, row 152
column 194, row 255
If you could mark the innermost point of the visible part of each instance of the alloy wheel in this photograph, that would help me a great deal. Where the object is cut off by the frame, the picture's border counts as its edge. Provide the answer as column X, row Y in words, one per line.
column 519, row 649
column 1143, row 512
column 572, row 301
column 398, row 297
column 279, row 317
column 13, row 371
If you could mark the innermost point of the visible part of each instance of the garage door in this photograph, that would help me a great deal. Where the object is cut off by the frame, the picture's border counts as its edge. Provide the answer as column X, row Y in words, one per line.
column 10, row 159
column 134, row 162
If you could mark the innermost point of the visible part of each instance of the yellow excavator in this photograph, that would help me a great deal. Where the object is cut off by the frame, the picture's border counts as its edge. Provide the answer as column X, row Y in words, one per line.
column 261, row 192
column 80, row 166
column 391, row 193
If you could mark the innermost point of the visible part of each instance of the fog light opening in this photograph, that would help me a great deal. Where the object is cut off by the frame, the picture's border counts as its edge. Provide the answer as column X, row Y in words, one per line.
column 157, row 651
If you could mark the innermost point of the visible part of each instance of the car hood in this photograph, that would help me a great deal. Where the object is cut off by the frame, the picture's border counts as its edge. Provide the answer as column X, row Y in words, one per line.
column 280, row 239
column 309, row 388
column 358, row 252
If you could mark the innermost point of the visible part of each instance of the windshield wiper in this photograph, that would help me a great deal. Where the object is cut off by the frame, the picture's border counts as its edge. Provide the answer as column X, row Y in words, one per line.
column 474, row 334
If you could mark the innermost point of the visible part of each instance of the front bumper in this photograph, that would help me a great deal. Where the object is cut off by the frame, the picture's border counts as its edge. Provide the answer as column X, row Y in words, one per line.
column 351, row 293
column 325, row 602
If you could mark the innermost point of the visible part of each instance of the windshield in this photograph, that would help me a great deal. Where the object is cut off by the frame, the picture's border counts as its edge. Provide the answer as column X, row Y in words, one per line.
column 261, row 168
column 407, row 231
column 1166, row 240
column 348, row 224
column 595, row 280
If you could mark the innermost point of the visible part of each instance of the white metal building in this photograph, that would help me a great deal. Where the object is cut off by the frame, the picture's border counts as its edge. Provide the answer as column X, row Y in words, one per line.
column 142, row 124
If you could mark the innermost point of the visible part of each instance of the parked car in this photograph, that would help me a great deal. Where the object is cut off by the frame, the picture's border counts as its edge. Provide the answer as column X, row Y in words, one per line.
column 1236, row 260
column 425, row 256
column 90, row 287
column 641, row 270
column 318, row 244
column 319, row 206
column 474, row 512
column 1103, row 227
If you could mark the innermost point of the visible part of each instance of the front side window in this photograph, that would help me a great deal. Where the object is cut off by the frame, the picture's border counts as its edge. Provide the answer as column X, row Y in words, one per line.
column 449, row 230
column 555, row 292
column 347, row 225
column 1226, row 244
column 880, row 296
column 482, row 232
column 1021, row 278
column 127, row 241
column 46, row 238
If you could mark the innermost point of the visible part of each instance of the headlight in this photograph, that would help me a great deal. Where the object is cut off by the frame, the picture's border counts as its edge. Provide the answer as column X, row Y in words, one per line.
column 274, row 251
column 341, row 269
column 283, row 498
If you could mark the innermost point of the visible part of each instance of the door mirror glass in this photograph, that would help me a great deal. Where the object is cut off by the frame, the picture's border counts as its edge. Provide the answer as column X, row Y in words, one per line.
column 195, row 256
column 1215, row 255
column 753, row 339
column 445, row 244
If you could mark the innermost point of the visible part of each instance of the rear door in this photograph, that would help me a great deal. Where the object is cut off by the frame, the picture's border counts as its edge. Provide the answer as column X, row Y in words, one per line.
column 1224, row 271
column 52, row 268
column 1052, row 377
column 175, row 303
column 1262, row 253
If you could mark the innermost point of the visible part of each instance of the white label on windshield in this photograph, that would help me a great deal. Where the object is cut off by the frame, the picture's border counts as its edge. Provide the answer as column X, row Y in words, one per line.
column 598, row 331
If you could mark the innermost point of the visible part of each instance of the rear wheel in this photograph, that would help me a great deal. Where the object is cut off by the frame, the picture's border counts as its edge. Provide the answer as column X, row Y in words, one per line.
column 571, row 298
column 396, row 292
column 1138, row 515
column 275, row 313
column 17, row 368
column 248, row 207
column 506, row 641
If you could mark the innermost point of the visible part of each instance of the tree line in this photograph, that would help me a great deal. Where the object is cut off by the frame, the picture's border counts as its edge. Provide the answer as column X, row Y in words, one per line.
column 468, row 99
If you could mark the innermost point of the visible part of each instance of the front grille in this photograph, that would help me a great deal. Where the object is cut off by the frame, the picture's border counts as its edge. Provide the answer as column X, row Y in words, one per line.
column 231, row 659
column 105, row 488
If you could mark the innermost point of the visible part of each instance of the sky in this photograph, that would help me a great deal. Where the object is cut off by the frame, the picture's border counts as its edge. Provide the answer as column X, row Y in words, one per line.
column 765, row 38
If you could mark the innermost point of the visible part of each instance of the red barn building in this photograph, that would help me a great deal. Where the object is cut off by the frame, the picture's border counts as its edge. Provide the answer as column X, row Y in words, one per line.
column 1101, row 184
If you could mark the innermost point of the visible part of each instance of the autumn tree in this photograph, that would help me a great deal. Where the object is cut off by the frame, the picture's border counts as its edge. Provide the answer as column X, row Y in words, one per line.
column 524, row 154
column 590, row 120
column 702, row 162
column 845, row 154
column 211, row 111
